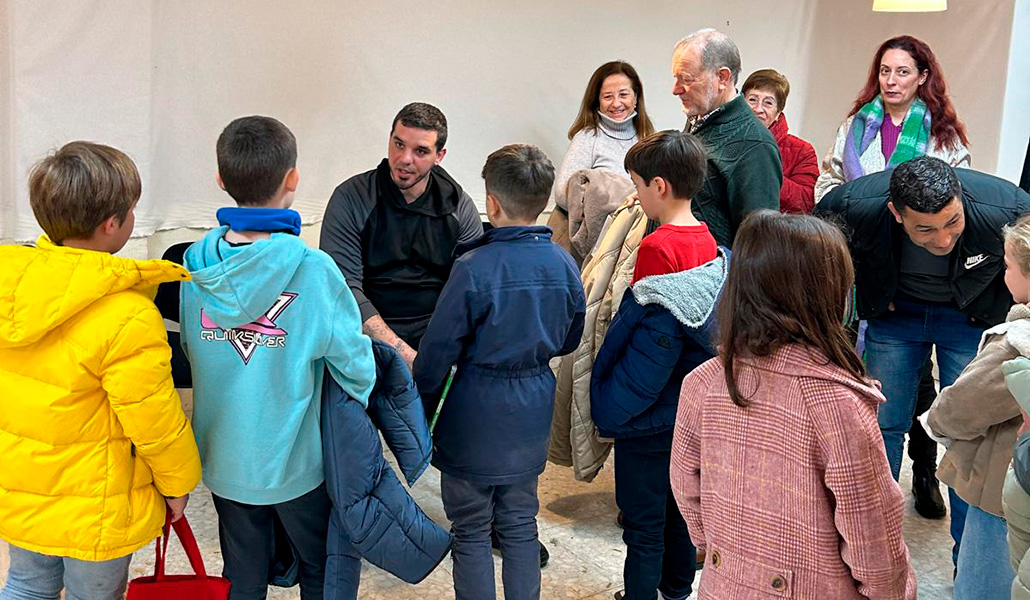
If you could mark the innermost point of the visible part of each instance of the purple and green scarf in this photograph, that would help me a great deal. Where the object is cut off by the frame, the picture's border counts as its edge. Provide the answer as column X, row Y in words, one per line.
column 913, row 141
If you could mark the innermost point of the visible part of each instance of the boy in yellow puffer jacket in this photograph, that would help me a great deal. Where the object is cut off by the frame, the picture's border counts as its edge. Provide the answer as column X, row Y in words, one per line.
column 94, row 443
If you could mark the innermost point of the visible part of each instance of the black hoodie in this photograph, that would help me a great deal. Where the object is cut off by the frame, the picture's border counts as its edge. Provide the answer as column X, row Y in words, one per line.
column 396, row 256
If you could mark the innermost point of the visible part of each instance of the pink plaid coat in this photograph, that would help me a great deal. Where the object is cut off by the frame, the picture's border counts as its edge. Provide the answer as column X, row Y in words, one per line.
column 792, row 497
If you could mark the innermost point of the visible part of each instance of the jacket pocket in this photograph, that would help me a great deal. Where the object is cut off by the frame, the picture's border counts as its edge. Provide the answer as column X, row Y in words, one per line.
column 132, row 480
column 734, row 568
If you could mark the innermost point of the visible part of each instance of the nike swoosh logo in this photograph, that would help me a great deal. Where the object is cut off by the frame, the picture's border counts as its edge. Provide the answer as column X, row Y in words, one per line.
column 973, row 261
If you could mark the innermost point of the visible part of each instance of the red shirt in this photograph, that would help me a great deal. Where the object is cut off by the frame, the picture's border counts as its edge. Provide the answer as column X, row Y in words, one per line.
column 674, row 248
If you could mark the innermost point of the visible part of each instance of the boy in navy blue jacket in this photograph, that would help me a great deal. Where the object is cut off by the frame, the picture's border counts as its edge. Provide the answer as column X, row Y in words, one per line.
column 660, row 334
column 513, row 301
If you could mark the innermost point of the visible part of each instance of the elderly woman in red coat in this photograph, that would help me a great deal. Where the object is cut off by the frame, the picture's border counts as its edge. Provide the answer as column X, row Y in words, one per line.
column 766, row 93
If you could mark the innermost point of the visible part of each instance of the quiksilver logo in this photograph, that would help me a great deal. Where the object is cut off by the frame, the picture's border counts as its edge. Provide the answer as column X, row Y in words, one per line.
column 973, row 261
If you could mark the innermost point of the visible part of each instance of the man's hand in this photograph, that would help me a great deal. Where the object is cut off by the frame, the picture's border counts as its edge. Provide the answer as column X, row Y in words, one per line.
column 177, row 506
column 409, row 357
column 377, row 328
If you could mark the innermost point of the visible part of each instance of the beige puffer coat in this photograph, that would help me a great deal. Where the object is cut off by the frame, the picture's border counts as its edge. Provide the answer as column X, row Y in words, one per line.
column 606, row 277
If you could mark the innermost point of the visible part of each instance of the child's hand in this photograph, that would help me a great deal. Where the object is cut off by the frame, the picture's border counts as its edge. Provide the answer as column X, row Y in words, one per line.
column 1026, row 423
column 177, row 506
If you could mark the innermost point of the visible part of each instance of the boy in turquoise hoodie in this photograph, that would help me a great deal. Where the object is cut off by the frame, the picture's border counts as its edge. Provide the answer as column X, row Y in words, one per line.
column 262, row 319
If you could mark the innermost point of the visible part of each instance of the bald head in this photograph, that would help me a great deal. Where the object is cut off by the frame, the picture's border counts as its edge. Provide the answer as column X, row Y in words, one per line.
column 716, row 51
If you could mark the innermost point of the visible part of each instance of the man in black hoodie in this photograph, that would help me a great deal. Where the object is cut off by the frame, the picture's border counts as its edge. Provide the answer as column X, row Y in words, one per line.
column 392, row 230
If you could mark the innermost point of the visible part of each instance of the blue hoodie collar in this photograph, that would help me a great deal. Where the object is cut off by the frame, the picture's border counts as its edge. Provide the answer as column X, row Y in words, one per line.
column 514, row 233
column 259, row 219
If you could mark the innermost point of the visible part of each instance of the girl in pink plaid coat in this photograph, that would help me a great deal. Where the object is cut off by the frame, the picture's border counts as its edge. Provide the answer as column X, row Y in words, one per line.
column 778, row 463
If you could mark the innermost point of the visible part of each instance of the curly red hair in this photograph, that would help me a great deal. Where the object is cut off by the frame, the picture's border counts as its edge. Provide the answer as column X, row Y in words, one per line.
column 945, row 127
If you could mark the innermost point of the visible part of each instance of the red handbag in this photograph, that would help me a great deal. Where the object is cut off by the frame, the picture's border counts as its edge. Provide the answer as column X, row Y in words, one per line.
column 159, row 586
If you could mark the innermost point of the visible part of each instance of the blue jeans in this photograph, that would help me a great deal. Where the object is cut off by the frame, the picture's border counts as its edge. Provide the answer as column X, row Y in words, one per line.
column 509, row 510
column 898, row 344
column 35, row 576
column 984, row 570
column 659, row 554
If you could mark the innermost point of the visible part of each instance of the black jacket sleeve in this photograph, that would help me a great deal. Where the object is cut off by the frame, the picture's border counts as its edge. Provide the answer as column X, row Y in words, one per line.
column 345, row 218
column 469, row 222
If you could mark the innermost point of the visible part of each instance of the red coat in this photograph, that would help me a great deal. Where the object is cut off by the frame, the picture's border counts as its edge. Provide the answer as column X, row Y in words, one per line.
column 800, row 169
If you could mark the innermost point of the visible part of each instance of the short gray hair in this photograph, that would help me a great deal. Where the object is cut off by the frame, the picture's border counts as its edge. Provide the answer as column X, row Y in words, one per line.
column 717, row 50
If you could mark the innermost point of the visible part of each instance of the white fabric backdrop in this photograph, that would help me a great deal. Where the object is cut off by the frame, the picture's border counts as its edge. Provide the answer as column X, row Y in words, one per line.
column 161, row 79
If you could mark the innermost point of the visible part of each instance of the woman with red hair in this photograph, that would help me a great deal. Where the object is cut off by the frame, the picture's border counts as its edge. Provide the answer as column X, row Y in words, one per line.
column 903, row 111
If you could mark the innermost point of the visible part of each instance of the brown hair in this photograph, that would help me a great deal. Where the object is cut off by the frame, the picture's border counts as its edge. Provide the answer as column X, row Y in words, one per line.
column 770, row 80
column 1017, row 237
column 75, row 189
column 587, row 118
column 945, row 128
column 520, row 176
column 676, row 156
column 789, row 283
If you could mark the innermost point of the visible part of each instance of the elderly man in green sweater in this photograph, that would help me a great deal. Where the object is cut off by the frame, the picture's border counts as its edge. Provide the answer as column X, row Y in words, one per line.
column 744, row 172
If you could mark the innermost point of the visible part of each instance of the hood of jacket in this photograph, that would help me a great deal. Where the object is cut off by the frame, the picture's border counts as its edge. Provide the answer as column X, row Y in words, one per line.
column 1016, row 329
column 44, row 286
column 239, row 289
column 1017, row 371
column 689, row 295
column 442, row 198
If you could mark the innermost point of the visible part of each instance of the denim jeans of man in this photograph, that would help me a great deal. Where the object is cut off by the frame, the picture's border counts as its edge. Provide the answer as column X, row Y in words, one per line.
column 984, row 569
column 659, row 554
column 34, row 576
column 898, row 344
column 509, row 510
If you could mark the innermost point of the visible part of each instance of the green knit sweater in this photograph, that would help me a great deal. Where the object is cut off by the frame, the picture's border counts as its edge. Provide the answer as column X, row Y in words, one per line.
column 744, row 172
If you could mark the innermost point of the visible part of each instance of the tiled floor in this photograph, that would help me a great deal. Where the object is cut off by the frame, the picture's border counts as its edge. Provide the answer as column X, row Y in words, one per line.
column 577, row 522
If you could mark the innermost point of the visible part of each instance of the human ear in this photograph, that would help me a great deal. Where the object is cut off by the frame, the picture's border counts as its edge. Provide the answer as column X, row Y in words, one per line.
column 493, row 207
column 218, row 180
column 725, row 77
column 291, row 180
column 894, row 211
column 661, row 186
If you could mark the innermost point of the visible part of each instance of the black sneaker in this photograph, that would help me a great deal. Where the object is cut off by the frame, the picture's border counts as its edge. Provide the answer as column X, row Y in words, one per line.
column 619, row 595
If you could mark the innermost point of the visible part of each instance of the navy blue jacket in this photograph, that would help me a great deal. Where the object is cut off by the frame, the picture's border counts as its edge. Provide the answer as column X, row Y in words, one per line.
column 661, row 333
column 513, row 301
column 378, row 515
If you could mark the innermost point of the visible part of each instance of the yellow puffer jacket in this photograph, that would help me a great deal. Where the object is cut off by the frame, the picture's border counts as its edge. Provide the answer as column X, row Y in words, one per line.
column 92, row 434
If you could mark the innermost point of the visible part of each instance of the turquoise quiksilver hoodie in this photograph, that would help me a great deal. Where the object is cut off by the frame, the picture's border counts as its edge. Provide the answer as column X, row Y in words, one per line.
column 260, row 324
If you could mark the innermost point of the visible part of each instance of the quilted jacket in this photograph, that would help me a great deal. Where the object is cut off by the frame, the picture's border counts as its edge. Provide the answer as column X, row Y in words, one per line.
column 575, row 441
column 800, row 169
column 92, row 433
column 380, row 518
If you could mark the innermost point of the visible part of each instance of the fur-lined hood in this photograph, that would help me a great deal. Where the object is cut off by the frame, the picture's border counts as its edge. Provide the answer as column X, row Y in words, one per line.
column 689, row 295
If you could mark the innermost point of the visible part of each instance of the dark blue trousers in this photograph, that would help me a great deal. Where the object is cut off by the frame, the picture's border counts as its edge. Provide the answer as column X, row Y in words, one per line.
column 246, row 533
column 509, row 510
column 659, row 553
